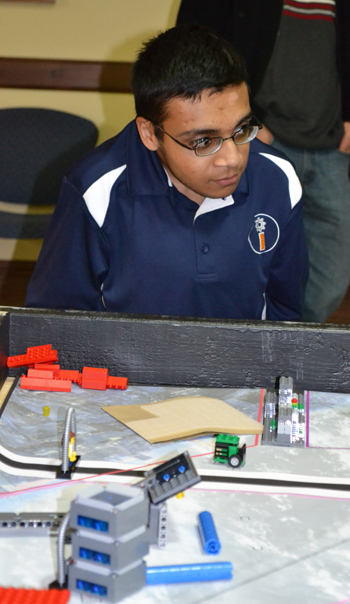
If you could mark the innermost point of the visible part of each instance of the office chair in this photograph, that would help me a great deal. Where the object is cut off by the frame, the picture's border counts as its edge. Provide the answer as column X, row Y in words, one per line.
column 37, row 146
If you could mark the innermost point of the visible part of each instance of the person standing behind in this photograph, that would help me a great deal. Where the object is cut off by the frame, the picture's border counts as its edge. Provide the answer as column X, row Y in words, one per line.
column 298, row 57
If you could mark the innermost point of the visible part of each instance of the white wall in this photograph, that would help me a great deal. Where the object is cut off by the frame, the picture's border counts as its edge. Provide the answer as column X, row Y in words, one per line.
column 101, row 30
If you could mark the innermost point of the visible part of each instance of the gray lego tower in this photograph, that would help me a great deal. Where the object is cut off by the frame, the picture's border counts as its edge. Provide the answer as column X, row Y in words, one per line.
column 270, row 415
column 114, row 527
column 110, row 542
column 284, row 425
column 284, row 416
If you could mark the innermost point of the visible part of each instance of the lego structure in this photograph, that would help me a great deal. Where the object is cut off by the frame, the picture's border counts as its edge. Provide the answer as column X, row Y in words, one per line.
column 69, row 455
column 228, row 451
column 113, row 527
column 158, row 524
column 110, row 541
column 34, row 354
column 33, row 596
column 284, row 416
column 189, row 573
column 31, row 524
column 170, row 478
column 208, row 534
column 44, row 375
column 205, row 354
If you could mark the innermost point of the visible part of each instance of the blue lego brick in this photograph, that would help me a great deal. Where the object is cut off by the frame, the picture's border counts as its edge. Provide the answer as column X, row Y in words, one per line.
column 208, row 534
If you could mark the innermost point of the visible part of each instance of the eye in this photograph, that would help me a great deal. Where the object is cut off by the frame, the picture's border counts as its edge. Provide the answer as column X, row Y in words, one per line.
column 202, row 142
column 242, row 128
column 245, row 134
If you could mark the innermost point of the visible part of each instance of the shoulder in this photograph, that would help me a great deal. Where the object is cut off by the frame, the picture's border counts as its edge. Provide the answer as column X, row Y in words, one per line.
column 105, row 161
column 95, row 175
column 118, row 172
column 274, row 171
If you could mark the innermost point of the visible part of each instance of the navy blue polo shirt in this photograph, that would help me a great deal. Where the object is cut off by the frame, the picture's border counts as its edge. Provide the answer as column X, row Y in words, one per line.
column 124, row 239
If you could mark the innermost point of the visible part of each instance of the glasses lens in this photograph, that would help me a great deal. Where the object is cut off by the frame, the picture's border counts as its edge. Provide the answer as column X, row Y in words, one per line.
column 208, row 146
column 246, row 134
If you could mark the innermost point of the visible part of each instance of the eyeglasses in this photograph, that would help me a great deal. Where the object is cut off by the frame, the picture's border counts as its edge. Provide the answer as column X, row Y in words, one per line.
column 208, row 146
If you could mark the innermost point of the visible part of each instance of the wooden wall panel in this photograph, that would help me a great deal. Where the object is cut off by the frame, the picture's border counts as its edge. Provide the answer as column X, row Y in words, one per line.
column 42, row 1
column 53, row 74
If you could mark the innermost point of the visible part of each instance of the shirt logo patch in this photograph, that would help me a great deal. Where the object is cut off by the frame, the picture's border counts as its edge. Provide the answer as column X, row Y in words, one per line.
column 264, row 234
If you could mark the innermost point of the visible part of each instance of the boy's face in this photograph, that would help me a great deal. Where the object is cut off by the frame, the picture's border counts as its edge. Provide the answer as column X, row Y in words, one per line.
column 219, row 114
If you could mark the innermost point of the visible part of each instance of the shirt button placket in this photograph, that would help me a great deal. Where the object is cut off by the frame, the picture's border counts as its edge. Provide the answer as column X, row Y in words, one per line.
column 206, row 265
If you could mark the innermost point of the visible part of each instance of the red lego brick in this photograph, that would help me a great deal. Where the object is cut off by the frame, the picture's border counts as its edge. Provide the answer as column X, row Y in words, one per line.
column 48, row 367
column 49, row 385
column 11, row 595
column 95, row 373
column 67, row 374
column 35, row 354
column 118, row 383
column 37, row 373
column 94, row 378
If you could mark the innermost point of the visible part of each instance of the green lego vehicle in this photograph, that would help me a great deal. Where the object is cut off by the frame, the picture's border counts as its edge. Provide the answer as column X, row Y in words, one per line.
column 227, row 450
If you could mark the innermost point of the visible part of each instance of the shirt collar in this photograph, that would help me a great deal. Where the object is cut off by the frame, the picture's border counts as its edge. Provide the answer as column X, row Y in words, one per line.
column 145, row 173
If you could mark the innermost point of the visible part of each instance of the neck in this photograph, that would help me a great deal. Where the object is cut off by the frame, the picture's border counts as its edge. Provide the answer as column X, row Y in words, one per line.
column 182, row 188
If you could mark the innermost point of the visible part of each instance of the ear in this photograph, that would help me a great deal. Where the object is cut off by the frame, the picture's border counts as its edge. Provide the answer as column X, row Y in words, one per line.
column 146, row 132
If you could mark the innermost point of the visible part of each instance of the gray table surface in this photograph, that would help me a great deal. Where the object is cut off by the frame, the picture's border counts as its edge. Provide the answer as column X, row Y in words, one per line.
column 286, row 544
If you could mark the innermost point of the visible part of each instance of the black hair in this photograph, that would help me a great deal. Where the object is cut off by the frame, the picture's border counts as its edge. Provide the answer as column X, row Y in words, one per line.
column 182, row 62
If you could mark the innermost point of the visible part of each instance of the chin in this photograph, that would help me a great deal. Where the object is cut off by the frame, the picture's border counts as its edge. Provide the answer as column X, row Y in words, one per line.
column 223, row 192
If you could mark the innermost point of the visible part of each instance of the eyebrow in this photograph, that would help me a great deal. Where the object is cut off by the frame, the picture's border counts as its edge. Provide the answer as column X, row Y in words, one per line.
column 196, row 132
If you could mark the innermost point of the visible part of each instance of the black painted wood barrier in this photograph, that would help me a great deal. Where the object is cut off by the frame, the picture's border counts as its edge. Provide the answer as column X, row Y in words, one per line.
column 177, row 351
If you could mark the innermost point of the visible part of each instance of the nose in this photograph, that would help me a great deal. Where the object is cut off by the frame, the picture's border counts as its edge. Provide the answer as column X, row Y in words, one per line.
column 229, row 155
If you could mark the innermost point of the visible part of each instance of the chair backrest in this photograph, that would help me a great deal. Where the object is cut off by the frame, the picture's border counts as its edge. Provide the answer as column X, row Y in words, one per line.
column 37, row 146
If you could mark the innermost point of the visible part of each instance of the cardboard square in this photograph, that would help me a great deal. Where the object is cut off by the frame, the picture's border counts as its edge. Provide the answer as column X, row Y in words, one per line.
column 183, row 417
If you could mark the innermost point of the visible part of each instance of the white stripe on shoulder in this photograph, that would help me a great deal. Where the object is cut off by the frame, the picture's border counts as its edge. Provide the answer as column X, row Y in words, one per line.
column 98, row 195
column 295, row 190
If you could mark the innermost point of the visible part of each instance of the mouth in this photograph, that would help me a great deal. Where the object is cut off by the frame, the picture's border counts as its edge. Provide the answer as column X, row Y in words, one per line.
column 225, row 182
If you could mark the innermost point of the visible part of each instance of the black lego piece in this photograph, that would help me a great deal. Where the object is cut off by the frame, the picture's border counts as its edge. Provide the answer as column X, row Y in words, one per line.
column 171, row 477
column 67, row 475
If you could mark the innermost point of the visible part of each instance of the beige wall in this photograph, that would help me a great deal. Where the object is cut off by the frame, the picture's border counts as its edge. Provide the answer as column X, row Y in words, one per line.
column 109, row 30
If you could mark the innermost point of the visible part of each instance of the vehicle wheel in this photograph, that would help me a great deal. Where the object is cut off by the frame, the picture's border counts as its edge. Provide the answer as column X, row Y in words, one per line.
column 234, row 461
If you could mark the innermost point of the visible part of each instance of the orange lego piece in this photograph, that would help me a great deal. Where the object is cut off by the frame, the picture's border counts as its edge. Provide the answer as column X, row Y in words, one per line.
column 118, row 383
column 11, row 595
column 67, row 374
column 38, row 373
column 49, row 385
column 44, row 375
column 35, row 354
column 48, row 367
column 94, row 378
